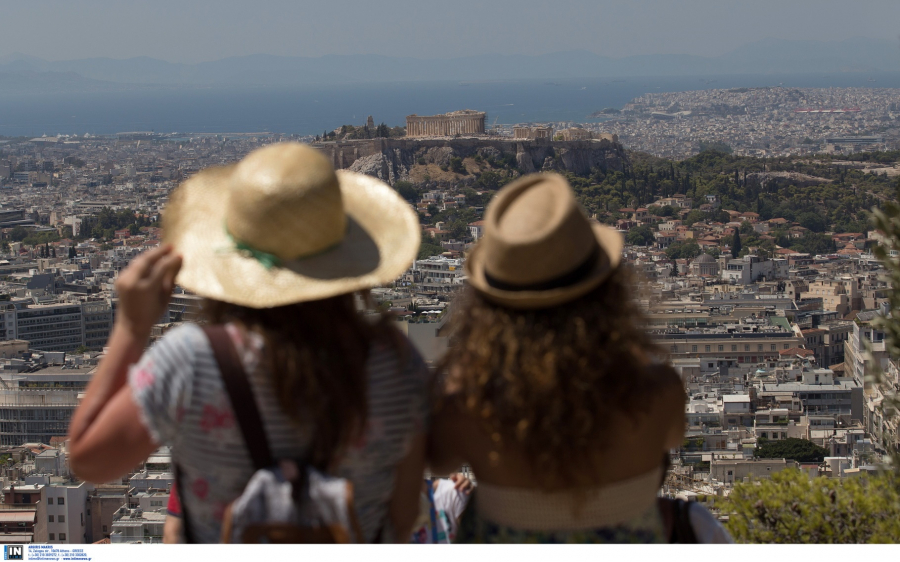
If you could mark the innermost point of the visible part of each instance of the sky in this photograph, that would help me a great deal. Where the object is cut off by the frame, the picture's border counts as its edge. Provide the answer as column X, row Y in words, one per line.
column 191, row 31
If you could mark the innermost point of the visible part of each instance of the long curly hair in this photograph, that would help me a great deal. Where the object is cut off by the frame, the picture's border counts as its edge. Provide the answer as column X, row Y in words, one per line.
column 316, row 354
column 548, row 381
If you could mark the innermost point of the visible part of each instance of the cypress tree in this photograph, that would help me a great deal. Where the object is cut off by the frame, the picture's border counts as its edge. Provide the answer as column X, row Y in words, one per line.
column 736, row 244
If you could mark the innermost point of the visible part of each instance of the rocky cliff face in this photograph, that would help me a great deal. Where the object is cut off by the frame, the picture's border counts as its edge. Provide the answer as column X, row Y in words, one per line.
column 392, row 159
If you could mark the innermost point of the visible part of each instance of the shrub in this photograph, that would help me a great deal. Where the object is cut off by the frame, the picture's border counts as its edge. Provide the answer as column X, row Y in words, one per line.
column 791, row 508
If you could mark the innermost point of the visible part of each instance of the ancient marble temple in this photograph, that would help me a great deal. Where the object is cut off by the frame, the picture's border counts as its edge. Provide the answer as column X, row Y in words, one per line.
column 465, row 122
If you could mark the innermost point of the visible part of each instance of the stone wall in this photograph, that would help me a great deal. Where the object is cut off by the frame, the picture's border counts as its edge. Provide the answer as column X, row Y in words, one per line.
column 391, row 159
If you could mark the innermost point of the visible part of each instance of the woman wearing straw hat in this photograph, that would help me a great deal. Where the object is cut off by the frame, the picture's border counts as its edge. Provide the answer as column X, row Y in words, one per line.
column 554, row 395
column 279, row 245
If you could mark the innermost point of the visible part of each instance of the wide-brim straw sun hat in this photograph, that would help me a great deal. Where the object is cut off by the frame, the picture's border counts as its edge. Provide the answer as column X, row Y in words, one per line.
column 282, row 227
column 539, row 249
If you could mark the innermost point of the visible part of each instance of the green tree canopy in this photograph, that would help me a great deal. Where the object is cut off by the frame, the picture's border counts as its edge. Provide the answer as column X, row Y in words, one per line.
column 812, row 243
column 813, row 221
column 640, row 236
column 427, row 249
column 799, row 450
column 406, row 190
column 688, row 249
column 792, row 508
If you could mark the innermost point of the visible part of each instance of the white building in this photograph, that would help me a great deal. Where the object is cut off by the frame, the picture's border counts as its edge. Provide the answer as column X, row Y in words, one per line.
column 62, row 510
column 438, row 274
column 137, row 526
column 750, row 269
column 36, row 406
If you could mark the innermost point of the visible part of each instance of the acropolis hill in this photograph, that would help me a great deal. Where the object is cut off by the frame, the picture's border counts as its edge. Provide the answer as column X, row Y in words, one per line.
column 392, row 159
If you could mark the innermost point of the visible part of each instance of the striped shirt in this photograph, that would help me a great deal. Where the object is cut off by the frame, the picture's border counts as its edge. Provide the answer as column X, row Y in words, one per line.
column 183, row 403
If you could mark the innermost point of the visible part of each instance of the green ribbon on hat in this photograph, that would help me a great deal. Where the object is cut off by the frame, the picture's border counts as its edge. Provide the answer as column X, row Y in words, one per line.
column 265, row 259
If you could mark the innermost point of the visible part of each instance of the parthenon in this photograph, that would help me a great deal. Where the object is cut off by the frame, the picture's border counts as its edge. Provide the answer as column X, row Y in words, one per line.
column 465, row 122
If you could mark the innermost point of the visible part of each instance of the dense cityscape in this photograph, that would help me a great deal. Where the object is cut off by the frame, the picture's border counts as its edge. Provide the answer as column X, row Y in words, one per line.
column 765, row 307
column 763, row 122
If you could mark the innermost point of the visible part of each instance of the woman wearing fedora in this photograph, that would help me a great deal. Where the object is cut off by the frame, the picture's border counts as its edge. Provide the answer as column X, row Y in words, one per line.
column 554, row 395
column 279, row 245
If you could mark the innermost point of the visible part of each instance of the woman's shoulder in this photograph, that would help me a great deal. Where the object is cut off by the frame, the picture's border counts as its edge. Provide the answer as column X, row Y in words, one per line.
column 706, row 527
column 186, row 332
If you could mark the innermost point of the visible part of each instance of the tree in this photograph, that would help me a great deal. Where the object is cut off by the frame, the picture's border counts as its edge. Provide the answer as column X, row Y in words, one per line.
column 813, row 221
column 735, row 245
column 812, row 243
column 792, row 508
column 459, row 229
column 683, row 250
column 406, row 190
column 426, row 250
column 473, row 199
column 456, row 166
column 664, row 211
column 640, row 236
column 799, row 450
column 696, row 215
column 18, row 233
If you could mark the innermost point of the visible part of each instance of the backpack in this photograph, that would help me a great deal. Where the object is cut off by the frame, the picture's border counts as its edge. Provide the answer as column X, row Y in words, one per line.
column 286, row 501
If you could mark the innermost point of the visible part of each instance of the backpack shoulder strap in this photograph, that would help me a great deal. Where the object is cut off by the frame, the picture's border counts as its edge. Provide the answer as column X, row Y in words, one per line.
column 187, row 528
column 684, row 531
column 243, row 402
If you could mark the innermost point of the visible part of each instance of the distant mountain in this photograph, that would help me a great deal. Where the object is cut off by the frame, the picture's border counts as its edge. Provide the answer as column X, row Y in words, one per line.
column 768, row 56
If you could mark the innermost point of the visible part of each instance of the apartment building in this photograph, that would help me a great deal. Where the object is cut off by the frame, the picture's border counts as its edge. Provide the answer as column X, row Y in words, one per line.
column 98, row 321
column 728, row 346
column 7, row 321
column 750, row 269
column 58, row 326
column 51, row 327
column 137, row 526
column 102, row 504
column 63, row 509
column 438, row 274
column 855, row 346
column 840, row 295
column 837, row 398
column 34, row 407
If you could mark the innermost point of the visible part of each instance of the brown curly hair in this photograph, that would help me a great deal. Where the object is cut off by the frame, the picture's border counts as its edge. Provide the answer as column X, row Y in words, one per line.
column 316, row 353
column 548, row 381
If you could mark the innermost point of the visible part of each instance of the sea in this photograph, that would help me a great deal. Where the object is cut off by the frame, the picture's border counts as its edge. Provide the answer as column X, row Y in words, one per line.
column 310, row 110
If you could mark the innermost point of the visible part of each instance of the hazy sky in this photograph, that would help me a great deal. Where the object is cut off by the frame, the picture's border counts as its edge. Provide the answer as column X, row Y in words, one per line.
column 200, row 30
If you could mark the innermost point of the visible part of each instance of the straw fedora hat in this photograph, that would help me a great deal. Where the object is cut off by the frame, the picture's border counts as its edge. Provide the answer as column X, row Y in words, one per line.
column 281, row 226
column 539, row 249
